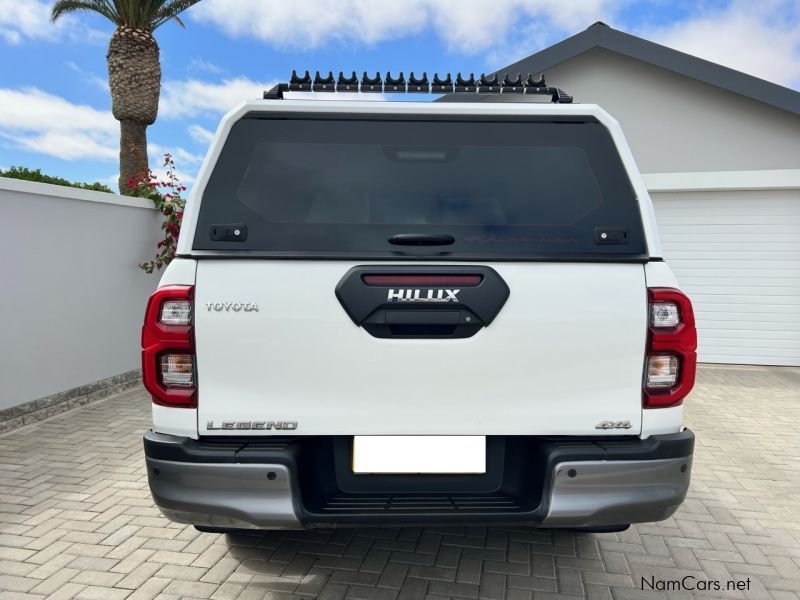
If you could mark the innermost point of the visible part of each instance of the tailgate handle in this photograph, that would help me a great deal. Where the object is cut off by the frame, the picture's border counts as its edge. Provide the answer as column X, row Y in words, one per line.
column 423, row 323
column 421, row 239
column 422, row 317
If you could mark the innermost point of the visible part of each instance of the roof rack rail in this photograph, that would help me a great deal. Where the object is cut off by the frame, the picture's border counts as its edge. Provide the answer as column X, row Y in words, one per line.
column 440, row 84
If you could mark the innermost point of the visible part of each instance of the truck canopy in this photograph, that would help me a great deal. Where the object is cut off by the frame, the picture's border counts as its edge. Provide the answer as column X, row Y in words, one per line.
column 308, row 185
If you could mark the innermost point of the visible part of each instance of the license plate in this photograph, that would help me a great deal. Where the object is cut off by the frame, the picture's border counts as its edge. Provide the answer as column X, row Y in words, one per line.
column 416, row 454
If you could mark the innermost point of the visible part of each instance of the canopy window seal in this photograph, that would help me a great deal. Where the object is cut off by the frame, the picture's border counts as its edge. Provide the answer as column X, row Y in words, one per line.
column 485, row 84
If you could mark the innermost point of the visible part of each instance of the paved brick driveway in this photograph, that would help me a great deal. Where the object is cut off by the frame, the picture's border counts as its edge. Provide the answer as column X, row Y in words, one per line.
column 76, row 521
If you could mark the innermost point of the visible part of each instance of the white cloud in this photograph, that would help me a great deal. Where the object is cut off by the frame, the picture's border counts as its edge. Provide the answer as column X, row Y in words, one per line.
column 181, row 156
column 468, row 26
column 159, row 172
column 761, row 38
column 51, row 125
column 67, row 145
column 205, row 66
column 30, row 19
column 192, row 97
column 201, row 135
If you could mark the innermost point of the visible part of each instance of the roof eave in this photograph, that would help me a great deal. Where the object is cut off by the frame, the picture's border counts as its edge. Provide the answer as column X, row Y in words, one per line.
column 601, row 35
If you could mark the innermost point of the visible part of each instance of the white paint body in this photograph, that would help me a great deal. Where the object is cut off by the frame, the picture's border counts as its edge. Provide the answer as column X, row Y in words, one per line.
column 565, row 352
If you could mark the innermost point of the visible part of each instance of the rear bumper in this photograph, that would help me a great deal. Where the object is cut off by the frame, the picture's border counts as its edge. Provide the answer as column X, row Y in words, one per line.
column 282, row 485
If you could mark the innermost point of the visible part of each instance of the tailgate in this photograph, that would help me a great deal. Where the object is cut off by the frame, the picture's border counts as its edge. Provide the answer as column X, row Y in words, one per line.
column 564, row 353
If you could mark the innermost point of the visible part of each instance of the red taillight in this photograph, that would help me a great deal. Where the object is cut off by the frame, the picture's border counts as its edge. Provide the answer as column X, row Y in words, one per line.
column 423, row 280
column 168, row 347
column 671, row 360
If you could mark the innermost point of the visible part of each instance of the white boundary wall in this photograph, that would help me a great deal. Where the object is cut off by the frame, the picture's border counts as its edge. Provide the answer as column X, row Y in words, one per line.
column 72, row 297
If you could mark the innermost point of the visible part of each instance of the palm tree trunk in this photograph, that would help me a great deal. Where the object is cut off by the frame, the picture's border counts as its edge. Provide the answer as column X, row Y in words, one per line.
column 134, row 76
column 132, row 153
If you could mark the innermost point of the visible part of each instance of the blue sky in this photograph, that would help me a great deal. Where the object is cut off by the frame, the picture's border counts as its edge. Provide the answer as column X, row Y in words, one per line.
column 55, row 106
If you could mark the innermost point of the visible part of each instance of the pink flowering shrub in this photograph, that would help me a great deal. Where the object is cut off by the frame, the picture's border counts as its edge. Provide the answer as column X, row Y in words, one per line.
column 166, row 195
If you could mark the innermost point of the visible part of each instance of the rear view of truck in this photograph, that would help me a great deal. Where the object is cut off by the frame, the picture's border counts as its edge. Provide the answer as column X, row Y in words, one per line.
column 409, row 313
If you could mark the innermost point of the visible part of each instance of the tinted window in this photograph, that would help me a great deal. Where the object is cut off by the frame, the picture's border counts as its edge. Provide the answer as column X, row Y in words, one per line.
column 344, row 187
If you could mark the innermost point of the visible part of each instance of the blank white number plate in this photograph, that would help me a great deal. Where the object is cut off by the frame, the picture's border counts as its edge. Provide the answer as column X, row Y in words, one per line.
column 440, row 454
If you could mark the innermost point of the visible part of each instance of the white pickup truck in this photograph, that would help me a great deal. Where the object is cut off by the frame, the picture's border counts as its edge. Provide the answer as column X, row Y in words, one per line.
column 388, row 313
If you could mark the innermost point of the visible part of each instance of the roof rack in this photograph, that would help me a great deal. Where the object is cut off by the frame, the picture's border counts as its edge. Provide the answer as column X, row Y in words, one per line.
column 485, row 84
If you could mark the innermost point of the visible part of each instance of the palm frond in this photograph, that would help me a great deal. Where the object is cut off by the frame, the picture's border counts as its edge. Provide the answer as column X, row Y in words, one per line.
column 139, row 14
column 103, row 7
column 170, row 9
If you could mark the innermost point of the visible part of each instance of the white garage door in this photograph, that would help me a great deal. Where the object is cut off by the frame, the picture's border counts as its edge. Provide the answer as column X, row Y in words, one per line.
column 737, row 255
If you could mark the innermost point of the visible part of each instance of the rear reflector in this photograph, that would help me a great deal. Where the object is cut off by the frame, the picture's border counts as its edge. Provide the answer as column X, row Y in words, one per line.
column 423, row 280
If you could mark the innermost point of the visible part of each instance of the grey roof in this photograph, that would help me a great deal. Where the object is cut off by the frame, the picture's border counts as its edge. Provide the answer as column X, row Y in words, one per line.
column 601, row 35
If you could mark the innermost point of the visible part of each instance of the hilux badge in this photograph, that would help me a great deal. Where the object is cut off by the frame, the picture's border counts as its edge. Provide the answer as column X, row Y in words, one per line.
column 410, row 295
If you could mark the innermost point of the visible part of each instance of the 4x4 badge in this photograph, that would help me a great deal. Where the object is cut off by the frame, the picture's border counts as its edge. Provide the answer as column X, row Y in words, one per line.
column 613, row 425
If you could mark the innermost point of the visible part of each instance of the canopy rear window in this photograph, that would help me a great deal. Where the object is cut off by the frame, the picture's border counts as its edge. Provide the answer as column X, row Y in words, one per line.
column 341, row 188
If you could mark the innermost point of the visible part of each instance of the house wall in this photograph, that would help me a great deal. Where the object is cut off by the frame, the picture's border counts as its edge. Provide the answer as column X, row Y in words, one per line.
column 73, row 297
column 723, row 172
column 677, row 124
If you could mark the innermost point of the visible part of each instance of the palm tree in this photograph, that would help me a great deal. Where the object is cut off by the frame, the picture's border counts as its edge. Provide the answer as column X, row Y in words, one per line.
column 134, row 70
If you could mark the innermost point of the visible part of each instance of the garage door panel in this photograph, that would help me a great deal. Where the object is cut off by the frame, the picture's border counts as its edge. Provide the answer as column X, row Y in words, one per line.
column 747, row 347
column 681, row 253
column 758, row 359
column 716, row 264
column 698, row 221
column 733, row 325
column 751, row 335
column 770, row 234
column 768, row 294
column 733, row 272
column 709, row 210
column 734, row 200
column 734, row 245
column 756, row 356
column 724, row 307
column 739, row 300
column 742, row 280
column 737, row 255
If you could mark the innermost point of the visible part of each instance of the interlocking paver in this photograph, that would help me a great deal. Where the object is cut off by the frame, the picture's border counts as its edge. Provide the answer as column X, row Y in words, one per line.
column 76, row 521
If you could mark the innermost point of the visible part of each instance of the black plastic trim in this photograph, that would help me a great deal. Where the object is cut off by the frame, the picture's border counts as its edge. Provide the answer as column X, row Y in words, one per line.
column 225, row 449
column 369, row 307
column 441, row 256
column 319, row 464
column 390, row 114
